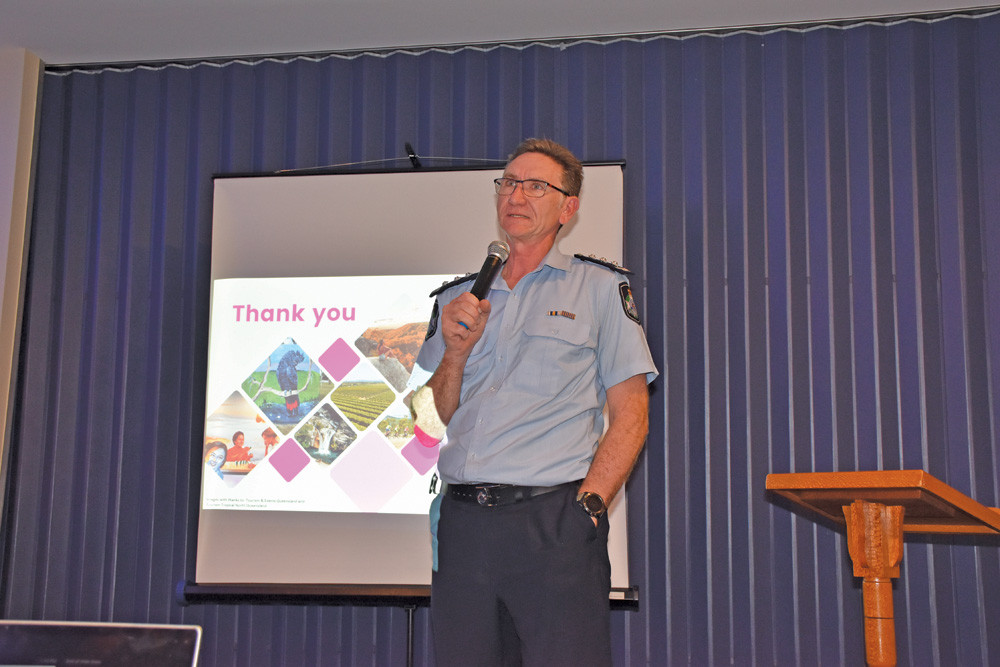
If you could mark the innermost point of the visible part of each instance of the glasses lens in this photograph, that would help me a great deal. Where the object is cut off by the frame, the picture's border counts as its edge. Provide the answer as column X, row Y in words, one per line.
column 534, row 188
column 504, row 186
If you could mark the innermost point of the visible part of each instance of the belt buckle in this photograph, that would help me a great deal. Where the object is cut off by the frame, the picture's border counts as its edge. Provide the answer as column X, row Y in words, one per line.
column 483, row 497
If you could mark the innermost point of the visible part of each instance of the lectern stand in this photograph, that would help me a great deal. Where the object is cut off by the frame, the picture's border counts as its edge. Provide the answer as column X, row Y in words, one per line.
column 877, row 507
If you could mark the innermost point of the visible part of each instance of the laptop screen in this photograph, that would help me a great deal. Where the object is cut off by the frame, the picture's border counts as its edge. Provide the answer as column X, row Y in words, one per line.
column 103, row 644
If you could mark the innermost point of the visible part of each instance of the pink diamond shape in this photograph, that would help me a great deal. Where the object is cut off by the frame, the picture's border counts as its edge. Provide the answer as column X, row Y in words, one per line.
column 420, row 457
column 370, row 472
column 339, row 359
column 289, row 459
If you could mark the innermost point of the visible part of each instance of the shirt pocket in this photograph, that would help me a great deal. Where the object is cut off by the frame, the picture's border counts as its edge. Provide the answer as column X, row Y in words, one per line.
column 556, row 352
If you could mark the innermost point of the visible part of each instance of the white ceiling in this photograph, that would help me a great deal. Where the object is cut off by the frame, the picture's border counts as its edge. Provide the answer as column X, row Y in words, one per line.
column 64, row 32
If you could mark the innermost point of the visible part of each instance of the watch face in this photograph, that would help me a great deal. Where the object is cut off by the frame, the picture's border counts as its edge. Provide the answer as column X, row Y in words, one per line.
column 593, row 503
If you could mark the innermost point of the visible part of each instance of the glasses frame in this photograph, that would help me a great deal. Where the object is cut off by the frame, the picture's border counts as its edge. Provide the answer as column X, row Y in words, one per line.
column 521, row 182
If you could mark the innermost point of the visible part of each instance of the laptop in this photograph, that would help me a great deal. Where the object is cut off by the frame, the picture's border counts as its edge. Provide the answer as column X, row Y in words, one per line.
column 69, row 644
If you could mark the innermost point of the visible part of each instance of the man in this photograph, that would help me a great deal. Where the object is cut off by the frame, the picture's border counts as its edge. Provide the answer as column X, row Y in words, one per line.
column 520, row 378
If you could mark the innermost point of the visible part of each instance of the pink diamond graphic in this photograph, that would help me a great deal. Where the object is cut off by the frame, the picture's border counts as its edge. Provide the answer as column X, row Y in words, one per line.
column 420, row 457
column 339, row 359
column 370, row 472
column 289, row 459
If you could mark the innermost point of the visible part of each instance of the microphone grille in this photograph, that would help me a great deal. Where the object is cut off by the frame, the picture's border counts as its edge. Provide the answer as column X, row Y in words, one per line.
column 499, row 249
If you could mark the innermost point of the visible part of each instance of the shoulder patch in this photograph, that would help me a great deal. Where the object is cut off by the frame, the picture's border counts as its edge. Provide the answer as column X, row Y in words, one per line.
column 432, row 325
column 628, row 303
column 452, row 283
column 606, row 263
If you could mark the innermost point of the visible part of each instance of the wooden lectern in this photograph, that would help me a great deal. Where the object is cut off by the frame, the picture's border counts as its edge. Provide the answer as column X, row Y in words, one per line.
column 878, row 506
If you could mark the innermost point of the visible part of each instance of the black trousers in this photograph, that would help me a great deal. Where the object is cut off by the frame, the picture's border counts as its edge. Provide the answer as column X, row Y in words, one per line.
column 526, row 583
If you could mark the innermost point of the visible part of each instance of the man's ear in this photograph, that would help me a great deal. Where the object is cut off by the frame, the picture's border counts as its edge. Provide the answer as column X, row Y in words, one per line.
column 570, row 207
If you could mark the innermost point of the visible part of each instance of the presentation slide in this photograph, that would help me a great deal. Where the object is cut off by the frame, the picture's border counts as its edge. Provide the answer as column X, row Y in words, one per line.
column 309, row 377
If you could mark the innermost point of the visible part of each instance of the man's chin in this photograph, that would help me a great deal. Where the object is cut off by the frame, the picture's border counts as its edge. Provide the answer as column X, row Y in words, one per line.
column 514, row 225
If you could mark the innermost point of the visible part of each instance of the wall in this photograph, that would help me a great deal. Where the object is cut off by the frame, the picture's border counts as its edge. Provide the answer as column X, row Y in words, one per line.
column 812, row 218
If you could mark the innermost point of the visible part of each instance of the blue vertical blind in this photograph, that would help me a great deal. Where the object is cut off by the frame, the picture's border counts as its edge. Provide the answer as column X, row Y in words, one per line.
column 813, row 216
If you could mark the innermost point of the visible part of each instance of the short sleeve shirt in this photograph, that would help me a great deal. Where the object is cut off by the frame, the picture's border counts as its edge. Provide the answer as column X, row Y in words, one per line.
column 534, row 386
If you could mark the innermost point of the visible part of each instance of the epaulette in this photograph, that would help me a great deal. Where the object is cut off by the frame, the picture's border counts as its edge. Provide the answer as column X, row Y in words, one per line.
column 451, row 283
column 602, row 261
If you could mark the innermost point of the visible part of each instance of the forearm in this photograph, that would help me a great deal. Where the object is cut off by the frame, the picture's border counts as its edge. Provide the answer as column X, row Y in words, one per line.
column 618, row 451
column 613, row 462
column 446, row 383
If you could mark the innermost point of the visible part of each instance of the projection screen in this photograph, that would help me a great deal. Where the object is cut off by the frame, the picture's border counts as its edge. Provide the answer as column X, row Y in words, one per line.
column 320, row 290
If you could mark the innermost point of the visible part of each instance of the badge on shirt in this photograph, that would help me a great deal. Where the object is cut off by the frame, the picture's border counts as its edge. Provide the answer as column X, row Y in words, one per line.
column 432, row 326
column 628, row 303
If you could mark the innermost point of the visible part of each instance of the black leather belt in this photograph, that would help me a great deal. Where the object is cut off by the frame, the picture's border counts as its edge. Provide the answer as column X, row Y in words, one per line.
column 496, row 495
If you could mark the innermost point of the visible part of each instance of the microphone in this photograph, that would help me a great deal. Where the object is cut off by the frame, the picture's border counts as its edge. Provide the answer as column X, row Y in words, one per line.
column 497, row 254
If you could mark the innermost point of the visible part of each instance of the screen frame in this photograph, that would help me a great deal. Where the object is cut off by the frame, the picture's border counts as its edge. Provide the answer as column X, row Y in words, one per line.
column 379, row 593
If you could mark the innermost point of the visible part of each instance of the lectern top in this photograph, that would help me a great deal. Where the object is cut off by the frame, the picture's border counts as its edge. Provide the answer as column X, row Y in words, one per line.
column 930, row 505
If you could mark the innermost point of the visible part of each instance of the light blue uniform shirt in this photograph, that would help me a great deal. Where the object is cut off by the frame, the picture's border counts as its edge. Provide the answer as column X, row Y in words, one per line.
column 534, row 385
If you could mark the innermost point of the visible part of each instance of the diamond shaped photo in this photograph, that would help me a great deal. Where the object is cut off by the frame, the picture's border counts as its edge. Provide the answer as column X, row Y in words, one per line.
column 236, row 439
column 287, row 385
column 397, row 425
column 392, row 349
column 325, row 435
column 363, row 396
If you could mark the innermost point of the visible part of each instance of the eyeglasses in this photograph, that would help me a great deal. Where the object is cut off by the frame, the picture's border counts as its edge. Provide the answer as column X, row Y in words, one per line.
column 531, row 187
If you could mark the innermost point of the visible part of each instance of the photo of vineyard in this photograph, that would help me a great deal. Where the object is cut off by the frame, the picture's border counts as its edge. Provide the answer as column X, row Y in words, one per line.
column 363, row 402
